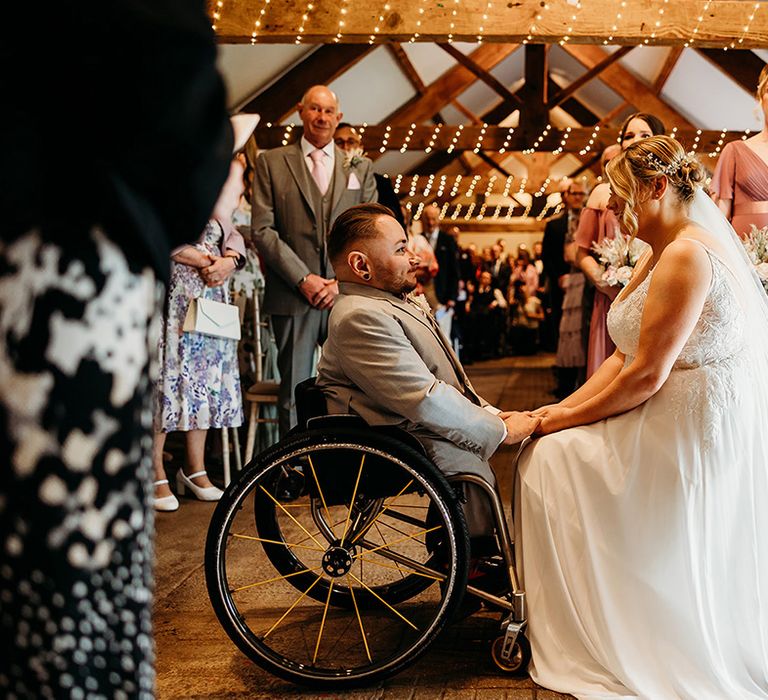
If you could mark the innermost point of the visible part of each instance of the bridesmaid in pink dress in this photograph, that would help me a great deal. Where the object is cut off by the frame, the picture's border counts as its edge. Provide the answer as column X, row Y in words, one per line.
column 596, row 223
column 740, row 183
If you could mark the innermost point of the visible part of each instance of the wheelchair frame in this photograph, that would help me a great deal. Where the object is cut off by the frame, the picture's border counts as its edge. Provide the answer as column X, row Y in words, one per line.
column 510, row 651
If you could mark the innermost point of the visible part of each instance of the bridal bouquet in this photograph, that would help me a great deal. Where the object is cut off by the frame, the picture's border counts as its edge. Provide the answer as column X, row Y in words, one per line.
column 618, row 257
column 756, row 245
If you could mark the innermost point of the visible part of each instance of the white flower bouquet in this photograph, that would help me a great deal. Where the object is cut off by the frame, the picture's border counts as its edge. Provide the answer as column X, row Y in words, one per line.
column 618, row 257
column 756, row 245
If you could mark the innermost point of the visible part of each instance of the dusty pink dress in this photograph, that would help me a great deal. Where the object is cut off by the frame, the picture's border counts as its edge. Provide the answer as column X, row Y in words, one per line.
column 741, row 175
column 594, row 225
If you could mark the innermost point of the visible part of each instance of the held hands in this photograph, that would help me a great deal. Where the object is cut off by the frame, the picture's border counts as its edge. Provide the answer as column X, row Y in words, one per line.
column 319, row 291
column 553, row 418
column 217, row 273
column 519, row 425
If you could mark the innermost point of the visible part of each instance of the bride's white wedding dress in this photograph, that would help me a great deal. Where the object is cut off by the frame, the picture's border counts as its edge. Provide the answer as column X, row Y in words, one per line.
column 643, row 538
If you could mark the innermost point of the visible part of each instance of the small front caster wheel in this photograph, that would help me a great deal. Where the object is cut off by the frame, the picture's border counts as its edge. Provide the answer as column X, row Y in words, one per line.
column 517, row 664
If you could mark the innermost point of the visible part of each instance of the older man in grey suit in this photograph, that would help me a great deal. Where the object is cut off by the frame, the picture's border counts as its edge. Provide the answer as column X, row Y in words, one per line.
column 387, row 360
column 298, row 192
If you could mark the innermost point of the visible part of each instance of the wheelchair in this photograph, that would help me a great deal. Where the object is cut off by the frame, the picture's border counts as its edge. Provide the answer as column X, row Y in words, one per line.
column 338, row 556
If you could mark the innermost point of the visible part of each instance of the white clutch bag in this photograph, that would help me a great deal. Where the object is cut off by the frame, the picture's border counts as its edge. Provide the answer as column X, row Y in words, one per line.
column 212, row 318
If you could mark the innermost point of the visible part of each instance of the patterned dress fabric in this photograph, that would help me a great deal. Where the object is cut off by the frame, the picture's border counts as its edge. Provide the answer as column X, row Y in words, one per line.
column 594, row 226
column 76, row 513
column 644, row 554
column 199, row 384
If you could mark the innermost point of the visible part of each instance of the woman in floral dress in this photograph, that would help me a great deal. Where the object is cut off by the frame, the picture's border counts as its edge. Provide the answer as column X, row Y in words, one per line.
column 199, row 383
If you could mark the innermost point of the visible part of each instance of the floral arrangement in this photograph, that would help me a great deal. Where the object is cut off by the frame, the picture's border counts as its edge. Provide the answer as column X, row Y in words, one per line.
column 756, row 245
column 618, row 257
column 354, row 157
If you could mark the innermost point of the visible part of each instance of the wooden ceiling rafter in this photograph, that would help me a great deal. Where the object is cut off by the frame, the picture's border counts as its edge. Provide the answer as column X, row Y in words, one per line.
column 630, row 88
column 666, row 69
column 322, row 66
column 288, row 21
column 741, row 66
column 586, row 77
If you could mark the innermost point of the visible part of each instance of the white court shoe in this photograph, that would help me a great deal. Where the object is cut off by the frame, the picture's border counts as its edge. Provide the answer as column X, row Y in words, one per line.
column 166, row 504
column 184, row 483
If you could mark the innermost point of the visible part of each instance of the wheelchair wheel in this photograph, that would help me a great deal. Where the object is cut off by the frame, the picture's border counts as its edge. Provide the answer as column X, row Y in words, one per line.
column 337, row 557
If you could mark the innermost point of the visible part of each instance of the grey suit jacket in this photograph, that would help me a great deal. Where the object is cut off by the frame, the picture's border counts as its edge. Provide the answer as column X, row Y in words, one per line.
column 386, row 362
column 288, row 230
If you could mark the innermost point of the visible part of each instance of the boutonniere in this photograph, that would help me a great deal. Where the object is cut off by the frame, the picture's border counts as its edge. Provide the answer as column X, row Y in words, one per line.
column 421, row 301
column 353, row 158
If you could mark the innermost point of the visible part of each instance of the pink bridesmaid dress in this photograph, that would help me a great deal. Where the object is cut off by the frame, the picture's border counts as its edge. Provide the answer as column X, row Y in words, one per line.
column 741, row 175
column 594, row 226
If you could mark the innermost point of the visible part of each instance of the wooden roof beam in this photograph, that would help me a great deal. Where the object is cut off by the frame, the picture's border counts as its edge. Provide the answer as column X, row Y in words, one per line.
column 286, row 21
column 627, row 86
column 323, row 65
column 743, row 67
column 582, row 80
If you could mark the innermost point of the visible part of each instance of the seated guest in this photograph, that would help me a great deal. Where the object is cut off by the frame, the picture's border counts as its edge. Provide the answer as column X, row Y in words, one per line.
column 525, row 271
column 387, row 361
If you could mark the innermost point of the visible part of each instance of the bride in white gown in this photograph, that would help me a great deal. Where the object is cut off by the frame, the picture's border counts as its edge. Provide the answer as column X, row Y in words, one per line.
column 642, row 514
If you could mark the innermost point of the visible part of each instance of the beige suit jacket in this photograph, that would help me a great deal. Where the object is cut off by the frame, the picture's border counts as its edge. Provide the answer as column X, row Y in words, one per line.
column 288, row 230
column 386, row 362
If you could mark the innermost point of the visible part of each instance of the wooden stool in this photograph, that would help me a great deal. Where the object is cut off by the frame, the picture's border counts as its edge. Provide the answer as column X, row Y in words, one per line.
column 260, row 393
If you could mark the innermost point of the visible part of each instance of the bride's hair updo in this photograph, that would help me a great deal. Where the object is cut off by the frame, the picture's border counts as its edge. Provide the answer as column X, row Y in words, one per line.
column 638, row 166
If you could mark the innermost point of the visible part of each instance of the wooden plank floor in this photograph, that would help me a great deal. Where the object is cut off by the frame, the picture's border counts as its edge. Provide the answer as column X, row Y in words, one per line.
column 195, row 659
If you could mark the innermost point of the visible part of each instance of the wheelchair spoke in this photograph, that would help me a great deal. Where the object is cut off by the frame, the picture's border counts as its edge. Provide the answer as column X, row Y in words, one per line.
column 322, row 622
column 384, row 539
column 338, row 522
column 276, row 578
column 320, row 491
column 299, row 545
column 352, row 501
column 397, row 541
column 359, row 619
column 294, row 604
column 380, row 513
column 291, row 517
column 408, row 569
column 380, row 599
column 392, row 527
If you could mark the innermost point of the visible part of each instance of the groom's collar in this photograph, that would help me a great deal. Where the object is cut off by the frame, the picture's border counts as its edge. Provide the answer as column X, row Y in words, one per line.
column 364, row 290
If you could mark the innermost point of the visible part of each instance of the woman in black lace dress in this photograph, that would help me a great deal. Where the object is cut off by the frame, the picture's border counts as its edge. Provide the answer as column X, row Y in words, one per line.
column 92, row 204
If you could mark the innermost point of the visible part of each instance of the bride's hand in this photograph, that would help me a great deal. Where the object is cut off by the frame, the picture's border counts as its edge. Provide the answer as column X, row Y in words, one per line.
column 553, row 419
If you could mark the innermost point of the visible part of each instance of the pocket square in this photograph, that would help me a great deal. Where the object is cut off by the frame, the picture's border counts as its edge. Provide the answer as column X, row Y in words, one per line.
column 353, row 183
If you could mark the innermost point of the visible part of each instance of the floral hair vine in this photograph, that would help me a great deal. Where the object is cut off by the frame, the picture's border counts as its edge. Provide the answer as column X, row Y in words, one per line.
column 653, row 161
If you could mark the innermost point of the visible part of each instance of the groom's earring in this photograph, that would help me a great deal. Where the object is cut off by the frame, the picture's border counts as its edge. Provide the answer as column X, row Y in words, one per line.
column 366, row 276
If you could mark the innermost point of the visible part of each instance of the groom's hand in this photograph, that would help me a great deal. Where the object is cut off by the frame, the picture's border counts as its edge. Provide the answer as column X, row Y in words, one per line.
column 519, row 425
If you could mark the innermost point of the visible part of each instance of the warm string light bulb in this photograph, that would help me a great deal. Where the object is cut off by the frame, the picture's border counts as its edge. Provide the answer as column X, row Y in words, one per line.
column 304, row 17
column 287, row 134
column 456, row 185
column 538, row 18
column 425, row 192
column 385, row 140
column 343, row 10
column 538, row 141
column 481, row 213
column 657, row 24
column 468, row 215
column 258, row 21
column 455, row 139
column 745, row 31
column 747, row 132
column 217, row 13
column 377, row 26
column 396, row 185
column 590, row 141
column 414, row 182
column 696, row 140
column 433, row 138
column 441, row 186
column 407, row 139
column 507, row 138
column 699, row 20
column 563, row 141
column 480, row 31
column 615, row 26
column 456, row 211
column 719, row 146
column 454, row 14
column 574, row 17
column 480, row 138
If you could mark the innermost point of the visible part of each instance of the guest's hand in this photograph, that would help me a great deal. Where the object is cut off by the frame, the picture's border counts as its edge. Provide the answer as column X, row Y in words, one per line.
column 519, row 425
column 327, row 295
column 553, row 419
column 311, row 286
column 218, row 271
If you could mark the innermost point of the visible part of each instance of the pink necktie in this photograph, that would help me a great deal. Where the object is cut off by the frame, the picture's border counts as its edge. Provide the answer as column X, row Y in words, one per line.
column 318, row 170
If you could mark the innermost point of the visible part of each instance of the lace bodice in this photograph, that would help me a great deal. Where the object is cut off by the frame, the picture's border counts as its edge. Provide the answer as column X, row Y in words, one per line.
column 705, row 375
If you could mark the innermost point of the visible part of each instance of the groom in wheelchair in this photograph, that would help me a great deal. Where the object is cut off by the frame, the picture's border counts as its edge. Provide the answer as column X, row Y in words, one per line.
column 387, row 361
